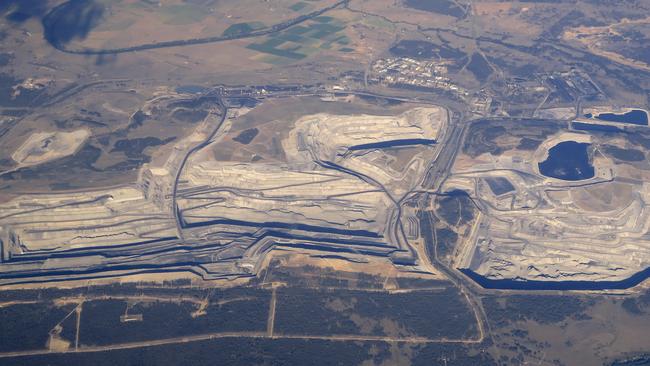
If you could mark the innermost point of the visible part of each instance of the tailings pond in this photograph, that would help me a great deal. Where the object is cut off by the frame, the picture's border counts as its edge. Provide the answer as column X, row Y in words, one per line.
column 568, row 160
column 635, row 117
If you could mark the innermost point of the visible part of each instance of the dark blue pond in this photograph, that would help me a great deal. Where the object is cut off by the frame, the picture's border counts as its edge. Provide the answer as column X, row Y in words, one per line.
column 635, row 117
column 568, row 160
column 593, row 127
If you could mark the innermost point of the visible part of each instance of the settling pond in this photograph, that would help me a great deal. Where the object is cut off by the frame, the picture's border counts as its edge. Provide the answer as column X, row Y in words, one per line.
column 635, row 117
column 568, row 160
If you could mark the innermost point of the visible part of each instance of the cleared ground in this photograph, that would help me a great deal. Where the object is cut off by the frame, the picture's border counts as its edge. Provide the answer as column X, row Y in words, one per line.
column 41, row 147
column 546, row 229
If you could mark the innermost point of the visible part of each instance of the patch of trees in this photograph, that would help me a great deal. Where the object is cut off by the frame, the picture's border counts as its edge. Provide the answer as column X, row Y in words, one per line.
column 101, row 325
column 450, row 355
column 27, row 326
column 222, row 352
column 429, row 314
column 456, row 210
column 544, row 309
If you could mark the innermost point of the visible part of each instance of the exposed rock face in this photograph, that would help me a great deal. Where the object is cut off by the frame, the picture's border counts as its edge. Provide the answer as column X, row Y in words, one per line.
column 548, row 229
column 358, row 143
column 324, row 137
column 334, row 187
column 68, row 221
column 272, row 193
column 334, row 176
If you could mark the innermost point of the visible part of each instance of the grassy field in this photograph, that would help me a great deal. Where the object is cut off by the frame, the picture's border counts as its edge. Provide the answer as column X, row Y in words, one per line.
column 296, row 43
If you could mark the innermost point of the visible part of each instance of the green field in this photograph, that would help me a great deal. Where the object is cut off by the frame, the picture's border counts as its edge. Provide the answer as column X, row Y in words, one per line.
column 183, row 14
column 299, row 6
column 241, row 28
column 322, row 33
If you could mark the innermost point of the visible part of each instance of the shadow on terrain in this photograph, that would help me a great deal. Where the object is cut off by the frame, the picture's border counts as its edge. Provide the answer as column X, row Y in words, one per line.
column 19, row 11
column 71, row 20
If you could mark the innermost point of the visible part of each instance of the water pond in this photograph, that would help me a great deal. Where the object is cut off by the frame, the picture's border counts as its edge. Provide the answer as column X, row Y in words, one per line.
column 568, row 160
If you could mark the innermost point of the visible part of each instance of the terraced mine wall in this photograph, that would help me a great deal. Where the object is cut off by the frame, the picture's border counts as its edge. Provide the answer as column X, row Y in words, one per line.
column 169, row 255
column 581, row 232
column 393, row 143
